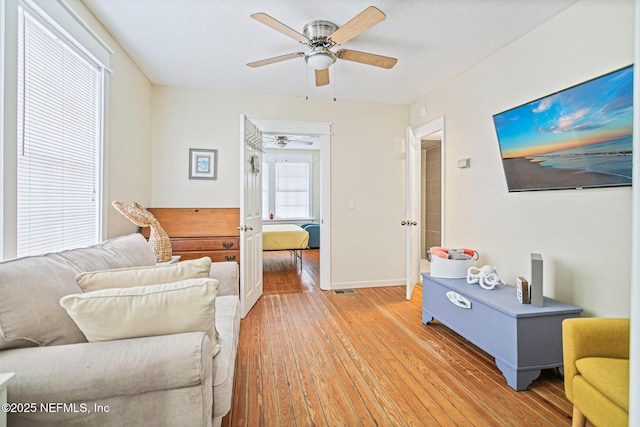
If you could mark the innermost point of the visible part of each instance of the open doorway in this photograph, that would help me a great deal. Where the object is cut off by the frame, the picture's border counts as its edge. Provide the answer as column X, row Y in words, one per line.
column 314, row 136
column 290, row 204
column 431, row 195
column 431, row 174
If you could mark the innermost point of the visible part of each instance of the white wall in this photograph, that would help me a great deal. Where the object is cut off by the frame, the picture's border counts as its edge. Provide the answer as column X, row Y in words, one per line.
column 366, row 166
column 634, row 368
column 583, row 235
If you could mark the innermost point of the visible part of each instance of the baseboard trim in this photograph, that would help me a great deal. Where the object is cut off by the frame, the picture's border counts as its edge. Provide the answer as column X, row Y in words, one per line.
column 367, row 284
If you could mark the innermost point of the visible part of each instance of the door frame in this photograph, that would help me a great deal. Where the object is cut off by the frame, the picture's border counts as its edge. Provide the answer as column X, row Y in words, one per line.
column 323, row 131
column 420, row 132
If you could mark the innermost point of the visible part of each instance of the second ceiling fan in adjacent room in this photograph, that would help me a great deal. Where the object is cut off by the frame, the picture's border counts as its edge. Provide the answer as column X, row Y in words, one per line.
column 282, row 141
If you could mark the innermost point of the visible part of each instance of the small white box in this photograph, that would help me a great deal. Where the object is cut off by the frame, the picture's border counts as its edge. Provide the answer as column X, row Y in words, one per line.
column 449, row 268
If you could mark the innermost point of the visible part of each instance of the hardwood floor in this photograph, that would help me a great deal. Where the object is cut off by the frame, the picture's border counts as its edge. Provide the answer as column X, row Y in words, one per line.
column 310, row 357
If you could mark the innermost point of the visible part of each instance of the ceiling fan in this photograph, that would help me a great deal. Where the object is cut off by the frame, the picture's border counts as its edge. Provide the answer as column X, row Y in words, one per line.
column 320, row 36
column 283, row 140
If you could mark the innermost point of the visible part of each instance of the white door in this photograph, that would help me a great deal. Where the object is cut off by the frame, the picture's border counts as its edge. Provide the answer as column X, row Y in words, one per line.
column 250, row 215
column 410, row 223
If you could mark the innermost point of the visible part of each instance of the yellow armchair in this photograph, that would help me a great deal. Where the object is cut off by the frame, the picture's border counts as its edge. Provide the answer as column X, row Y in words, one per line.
column 596, row 370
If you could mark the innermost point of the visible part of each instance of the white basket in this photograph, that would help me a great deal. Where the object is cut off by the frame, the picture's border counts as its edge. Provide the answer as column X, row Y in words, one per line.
column 449, row 268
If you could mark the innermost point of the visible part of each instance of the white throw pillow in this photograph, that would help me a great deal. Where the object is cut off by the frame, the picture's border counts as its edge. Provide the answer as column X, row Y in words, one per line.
column 141, row 311
column 140, row 276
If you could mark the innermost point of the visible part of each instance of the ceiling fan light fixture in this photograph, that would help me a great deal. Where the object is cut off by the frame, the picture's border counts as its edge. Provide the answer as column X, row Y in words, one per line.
column 320, row 59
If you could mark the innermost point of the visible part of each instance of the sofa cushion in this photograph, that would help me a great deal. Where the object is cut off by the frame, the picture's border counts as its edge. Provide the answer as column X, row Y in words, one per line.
column 140, row 276
column 609, row 376
column 142, row 311
column 31, row 287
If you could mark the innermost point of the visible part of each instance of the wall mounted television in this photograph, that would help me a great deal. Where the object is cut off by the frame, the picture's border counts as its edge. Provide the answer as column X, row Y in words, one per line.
column 580, row 137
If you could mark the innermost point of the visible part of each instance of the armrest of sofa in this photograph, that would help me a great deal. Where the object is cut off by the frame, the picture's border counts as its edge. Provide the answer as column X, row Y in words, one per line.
column 228, row 274
column 592, row 337
column 99, row 370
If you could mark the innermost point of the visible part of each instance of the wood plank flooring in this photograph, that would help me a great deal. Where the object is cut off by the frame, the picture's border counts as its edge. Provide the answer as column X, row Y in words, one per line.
column 308, row 357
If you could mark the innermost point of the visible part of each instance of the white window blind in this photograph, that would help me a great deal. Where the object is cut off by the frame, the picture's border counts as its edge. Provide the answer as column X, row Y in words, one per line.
column 287, row 190
column 292, row 190
column 59, row 141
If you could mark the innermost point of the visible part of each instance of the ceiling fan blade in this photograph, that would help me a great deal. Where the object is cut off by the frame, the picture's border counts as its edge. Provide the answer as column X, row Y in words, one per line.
column 367, row 58
column 274, row 59
column 322, row 77
column 296, row 141
column 279, row 26
column 358, row 24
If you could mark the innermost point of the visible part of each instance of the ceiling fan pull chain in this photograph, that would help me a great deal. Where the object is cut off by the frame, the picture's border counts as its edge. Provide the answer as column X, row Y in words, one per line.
column 306, row 82
column 333, row 70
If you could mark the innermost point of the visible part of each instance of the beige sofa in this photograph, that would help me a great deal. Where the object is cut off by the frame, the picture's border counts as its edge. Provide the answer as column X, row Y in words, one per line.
column 61, row 379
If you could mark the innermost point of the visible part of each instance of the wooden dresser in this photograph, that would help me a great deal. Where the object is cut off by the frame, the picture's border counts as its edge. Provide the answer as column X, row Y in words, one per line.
column 197, row 233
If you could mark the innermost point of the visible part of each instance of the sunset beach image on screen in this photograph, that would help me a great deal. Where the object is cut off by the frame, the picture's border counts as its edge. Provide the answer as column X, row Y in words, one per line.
column 580, row 137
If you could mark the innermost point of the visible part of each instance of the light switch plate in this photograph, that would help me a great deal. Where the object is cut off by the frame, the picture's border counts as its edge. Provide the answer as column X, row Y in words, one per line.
column 464, row 163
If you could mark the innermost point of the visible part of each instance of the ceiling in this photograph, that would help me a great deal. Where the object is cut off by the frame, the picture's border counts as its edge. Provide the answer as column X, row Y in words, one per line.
column 207, row 43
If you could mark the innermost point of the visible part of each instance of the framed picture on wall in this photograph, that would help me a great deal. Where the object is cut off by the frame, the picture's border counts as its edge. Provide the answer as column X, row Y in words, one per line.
column 203, row 164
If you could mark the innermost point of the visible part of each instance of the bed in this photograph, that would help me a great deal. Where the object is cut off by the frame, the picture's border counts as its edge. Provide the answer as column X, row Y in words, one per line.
column 285, row 237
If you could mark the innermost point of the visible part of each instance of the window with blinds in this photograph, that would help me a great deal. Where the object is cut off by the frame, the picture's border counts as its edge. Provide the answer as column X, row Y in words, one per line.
column 59, row 138
column 286, row 190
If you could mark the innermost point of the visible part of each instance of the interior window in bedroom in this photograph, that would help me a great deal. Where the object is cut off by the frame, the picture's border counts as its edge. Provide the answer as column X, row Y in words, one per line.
column 60, row 110
column 287, row 190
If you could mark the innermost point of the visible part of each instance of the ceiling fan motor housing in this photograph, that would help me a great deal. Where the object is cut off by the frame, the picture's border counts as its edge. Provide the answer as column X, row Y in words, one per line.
column 318, row 32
